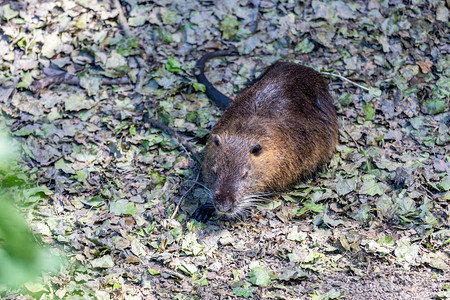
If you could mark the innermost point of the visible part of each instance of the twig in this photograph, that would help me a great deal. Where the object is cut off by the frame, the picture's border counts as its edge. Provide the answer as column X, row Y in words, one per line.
column 51, row 162
column 140, row 80
column 30, row 42
column 345, row 79
column 122, row 20
column 179, row 137
column 70, row 78
column 182, row 198
column 141, row 74
column 127, row 31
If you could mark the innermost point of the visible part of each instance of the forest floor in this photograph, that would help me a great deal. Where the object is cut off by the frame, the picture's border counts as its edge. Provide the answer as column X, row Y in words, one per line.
column 106, row 185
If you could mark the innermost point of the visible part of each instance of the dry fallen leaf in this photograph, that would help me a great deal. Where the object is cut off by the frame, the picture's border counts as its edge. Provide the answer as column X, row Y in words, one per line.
column 425, row 66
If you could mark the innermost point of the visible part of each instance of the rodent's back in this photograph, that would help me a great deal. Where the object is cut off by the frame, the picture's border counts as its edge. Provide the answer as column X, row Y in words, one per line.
column 285, row 88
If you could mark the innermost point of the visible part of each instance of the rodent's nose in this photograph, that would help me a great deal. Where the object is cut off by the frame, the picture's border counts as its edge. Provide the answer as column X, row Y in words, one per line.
column 224, row 199
column 224, row 207
column 224, row 204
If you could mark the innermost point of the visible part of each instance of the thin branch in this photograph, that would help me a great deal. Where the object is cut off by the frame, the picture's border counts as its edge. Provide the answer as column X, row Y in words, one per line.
column 140, row 80
column 127, row 31
column 122, row 19
column 70, row 78
column 179, row 137
column 182, row 198
column 345, row 79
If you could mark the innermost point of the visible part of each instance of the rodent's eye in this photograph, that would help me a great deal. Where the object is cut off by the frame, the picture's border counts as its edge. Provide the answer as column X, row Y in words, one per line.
column 245, row 175
column 217, row 140
column 256, row 149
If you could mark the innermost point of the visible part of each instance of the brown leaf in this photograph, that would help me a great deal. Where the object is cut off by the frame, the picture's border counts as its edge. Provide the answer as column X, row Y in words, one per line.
column 425, row 66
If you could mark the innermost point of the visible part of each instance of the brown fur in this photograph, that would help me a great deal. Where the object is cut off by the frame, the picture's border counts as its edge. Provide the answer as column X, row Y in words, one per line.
column 289, row 113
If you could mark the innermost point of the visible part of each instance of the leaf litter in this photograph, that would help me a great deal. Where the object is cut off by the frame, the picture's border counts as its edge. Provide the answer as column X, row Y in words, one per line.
column 107, row 183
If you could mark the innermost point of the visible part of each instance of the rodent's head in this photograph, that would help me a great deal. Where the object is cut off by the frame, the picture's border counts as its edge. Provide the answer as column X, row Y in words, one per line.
column 241, row 170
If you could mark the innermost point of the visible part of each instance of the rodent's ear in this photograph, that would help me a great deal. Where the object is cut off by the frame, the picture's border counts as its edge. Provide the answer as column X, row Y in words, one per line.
column 256, row 149
column 216, row 139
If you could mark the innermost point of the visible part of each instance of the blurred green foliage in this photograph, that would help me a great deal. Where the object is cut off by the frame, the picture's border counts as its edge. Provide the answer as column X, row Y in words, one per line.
column 21, row 259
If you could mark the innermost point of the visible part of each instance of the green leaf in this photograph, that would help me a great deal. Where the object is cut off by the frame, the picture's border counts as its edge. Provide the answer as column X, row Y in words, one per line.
column 64, row 166
column 407, row 254
column 371, row 187
column 103, row 262
column 259, row 276
column 229, row 27
column 133, row 130
column 199, row 87
column 441, row 90
column 331, row 222
column 345, row 186
column 243, row 289
column 170, row 17
column 35, row 287
column 165, row 78
column 293, row 257
column 368, row 112
column 91, row 84
column 95, row 201
column 444, row 184
column 361, row 214
column 82, row 175
column 154, row 272
column 437, row 260
column 127, row 46
column 8, row 13
column 434, row 106
column 291, row 274
column 176, row 233
column 156, row 177
column 138, row 15
column 345, row 99
column 316, row 296
column 296, row 236
column 40, row 190
column 202, row 281
column 310, row 206
column 77, row 102
column 386, row 240
column 305, row 46
column 188, row 269
column 406, row 206
column 51, row 46
column 375, row 92
column 116, row 65
column 190, row 244
column 26, row 80
column 122, row 207
column 173, row 65
column 443, row 295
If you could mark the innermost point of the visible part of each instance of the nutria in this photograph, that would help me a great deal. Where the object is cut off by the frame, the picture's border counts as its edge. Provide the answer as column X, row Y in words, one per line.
column 277, row 131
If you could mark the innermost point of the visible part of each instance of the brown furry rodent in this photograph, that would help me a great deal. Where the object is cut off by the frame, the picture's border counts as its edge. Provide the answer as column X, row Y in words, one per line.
column 279, row 130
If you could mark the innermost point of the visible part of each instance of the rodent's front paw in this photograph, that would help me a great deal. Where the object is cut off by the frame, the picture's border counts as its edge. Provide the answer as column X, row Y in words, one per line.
column 204, row 212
